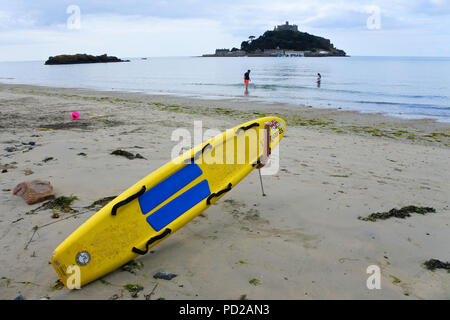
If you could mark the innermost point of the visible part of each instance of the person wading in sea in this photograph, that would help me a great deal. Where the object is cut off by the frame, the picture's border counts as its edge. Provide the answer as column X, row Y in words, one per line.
column 246, row 80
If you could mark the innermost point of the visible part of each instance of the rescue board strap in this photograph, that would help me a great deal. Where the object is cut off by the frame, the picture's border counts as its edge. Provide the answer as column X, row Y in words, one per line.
column 127, row 200
column 208, row 201
column 255, row 124
column 160, row 236
column 258, row 162
column 198, row 154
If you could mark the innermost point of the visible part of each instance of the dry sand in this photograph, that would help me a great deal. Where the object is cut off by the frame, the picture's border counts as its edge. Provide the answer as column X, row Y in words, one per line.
column 303, row 241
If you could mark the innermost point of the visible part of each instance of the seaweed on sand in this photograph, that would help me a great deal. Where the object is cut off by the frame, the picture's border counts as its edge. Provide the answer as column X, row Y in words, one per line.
column 127, row 154
column 433, row 264
column 397, row 213
column 123, row 153
column 134, row 289
column 60, row 204
column 80, row 124
column 100, row 203
column 132, row 266
column 58, row 285
column 67, row 125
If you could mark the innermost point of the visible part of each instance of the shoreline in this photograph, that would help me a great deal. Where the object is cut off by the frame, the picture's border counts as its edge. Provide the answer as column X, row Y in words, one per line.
column 224, row 101
column 427, row 130
column 305, row 240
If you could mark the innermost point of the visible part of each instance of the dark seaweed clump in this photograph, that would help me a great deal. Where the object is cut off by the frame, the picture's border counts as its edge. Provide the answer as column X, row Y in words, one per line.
column 397, row 213
column 60, row 204
column 132, row 266
column 98, row 204
column 127, row 154
column 134, row 289
column 436, row 264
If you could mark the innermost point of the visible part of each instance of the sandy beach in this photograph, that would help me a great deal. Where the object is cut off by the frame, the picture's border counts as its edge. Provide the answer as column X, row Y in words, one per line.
column 302, row 241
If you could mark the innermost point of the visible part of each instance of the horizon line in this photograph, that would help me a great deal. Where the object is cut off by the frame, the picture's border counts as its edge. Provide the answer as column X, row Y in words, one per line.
column 195, row 56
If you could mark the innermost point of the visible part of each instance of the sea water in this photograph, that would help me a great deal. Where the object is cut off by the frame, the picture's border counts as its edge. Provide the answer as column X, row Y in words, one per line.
column 408, row 87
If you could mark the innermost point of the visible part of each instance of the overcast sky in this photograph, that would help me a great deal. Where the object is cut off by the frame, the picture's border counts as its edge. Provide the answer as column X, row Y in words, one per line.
column 34, row 30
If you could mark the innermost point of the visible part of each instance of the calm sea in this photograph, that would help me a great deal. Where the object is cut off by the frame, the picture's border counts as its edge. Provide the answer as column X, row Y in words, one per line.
column 404, row 87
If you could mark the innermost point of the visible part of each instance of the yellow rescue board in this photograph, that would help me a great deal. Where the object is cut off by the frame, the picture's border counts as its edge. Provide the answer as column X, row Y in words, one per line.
column 164, row 201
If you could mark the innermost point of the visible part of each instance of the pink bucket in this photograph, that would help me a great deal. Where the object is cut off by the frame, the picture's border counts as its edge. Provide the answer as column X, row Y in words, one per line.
column 75, row 115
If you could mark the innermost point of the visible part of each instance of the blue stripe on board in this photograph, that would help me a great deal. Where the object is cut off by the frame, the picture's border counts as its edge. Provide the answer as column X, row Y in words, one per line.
column 168, row 187
column 175, row 208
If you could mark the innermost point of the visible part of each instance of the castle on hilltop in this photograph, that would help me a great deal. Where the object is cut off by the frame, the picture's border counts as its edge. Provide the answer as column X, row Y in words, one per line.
column 287, row 26
column 284, row 41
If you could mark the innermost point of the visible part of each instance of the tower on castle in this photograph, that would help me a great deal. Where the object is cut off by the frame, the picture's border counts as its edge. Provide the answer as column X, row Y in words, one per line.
column 286, row 26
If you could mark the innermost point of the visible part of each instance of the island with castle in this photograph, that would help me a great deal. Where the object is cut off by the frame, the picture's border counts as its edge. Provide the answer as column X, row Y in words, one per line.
column 284, row 41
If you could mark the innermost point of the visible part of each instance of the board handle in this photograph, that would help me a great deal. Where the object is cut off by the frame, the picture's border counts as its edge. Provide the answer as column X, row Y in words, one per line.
column 199, row 153
column 257, row 162
column 228, row 188
column 127, row 200
column 254, row 124
column 165, row 233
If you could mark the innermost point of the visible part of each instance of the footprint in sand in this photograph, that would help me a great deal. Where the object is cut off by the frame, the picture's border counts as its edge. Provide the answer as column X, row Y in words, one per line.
column 250, row 220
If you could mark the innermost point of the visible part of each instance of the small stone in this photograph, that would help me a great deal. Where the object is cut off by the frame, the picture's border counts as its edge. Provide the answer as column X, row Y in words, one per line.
column 164, row 275
column 34, row 191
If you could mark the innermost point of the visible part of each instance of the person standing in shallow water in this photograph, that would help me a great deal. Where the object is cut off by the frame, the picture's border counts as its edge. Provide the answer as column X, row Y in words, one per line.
column 319, row 78
column 246, row 80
